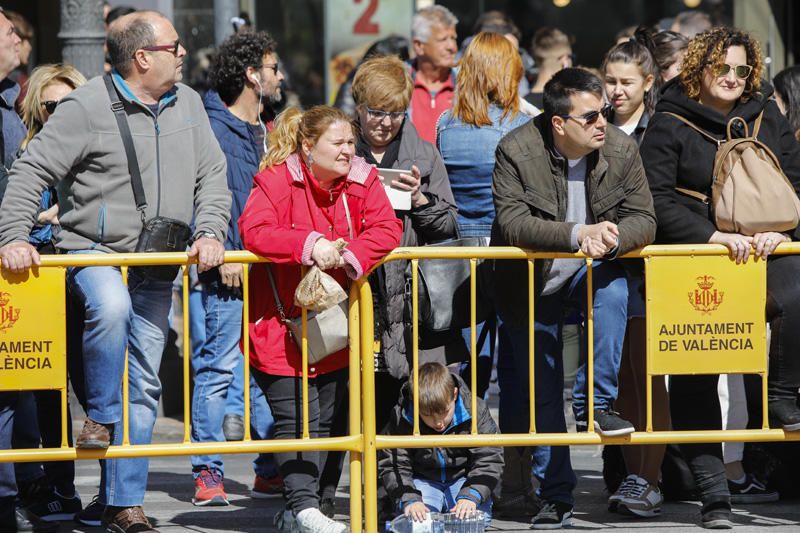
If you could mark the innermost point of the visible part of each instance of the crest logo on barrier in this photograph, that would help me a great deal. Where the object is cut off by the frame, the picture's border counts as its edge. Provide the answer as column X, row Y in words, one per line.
column 705, row 298
column 8, row 314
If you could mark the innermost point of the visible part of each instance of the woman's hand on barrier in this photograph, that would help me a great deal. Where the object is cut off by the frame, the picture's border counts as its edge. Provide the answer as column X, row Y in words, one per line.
column 231, row 275
column 738, row 245
column 19, row 256
column 325, row 255
column 416, row 511
column 411, row 182
column 464, row 508
column 765, row 243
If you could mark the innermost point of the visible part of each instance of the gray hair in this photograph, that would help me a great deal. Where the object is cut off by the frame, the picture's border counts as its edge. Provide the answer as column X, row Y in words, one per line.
column 425, row 18
column 124, row 39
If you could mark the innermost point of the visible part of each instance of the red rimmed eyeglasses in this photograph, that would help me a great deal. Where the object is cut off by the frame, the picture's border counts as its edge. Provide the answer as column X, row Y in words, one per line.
column 171, row 48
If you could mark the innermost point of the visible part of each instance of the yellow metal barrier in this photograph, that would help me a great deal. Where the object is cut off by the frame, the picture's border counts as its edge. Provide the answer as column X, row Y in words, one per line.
column 353, row 442
column 362, row 441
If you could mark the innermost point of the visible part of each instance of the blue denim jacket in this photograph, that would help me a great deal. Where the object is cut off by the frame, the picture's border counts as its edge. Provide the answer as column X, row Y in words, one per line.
column 468, row 154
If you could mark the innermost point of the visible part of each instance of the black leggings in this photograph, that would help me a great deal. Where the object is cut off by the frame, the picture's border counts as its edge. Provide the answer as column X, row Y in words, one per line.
column 327, row 417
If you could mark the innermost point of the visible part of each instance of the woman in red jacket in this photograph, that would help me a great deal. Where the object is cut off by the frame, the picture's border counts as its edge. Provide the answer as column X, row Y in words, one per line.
column 294, row 214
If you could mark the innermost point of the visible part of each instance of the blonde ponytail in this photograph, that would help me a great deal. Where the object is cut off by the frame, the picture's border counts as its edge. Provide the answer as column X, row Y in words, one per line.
column 284, row 139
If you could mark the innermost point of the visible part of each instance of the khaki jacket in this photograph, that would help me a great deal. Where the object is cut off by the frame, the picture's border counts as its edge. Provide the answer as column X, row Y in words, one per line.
column 530, row 197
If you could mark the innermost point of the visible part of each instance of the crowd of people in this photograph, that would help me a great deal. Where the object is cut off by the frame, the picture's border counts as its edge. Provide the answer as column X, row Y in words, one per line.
column 573, row 159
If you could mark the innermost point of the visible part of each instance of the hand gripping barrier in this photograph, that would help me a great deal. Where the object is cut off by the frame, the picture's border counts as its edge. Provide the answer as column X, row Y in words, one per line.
column 362, row 441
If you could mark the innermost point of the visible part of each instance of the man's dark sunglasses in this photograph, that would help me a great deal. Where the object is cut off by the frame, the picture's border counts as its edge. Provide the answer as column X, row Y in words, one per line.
column 273, row 67
column 590, row 117
column 50, row 106
column 171, row 48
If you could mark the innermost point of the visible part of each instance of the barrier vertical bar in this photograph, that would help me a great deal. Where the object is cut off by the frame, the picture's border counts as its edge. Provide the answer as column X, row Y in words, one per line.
column 473, row 344
column 246, row 344
column 304, row 357
column 415, row 340
column 590, row 343
column 531, row 352
column 125, row 410
column 368, row 410
column 648, row 427
column 354, row 370
column 64, row 434
column 187, row 356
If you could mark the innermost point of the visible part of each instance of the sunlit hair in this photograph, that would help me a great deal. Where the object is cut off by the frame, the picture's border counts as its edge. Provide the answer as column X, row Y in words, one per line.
column 549, row 43
column 638, row 50
column 787, row 85
column 489, row 73
column 423, row 21
column 436, row 387
column 383, row 82
column 669, row 46
column 708, row 50
column 43, row 76
column 293, row 126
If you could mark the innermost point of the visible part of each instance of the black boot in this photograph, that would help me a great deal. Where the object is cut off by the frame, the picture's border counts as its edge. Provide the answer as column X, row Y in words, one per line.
column 784, row 413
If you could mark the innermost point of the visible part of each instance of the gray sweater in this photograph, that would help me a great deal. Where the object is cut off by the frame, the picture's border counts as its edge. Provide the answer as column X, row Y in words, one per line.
column 182, row 168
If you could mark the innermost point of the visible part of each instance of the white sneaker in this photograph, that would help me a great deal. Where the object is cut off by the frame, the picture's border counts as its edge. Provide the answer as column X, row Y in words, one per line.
column 622, row 491
column 642, row 499
column 312, row 520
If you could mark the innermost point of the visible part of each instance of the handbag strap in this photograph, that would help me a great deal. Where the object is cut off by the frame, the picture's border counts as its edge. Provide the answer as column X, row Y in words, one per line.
column 347, row 215
column 127, row 141
column 278, row 302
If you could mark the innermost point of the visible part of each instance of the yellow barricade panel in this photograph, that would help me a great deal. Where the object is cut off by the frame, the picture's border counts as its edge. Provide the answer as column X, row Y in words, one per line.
column 705, row 315
column 33, row 331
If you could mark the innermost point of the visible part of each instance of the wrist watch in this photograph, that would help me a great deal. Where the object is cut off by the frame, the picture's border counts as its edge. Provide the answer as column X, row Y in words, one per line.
column 205, row 233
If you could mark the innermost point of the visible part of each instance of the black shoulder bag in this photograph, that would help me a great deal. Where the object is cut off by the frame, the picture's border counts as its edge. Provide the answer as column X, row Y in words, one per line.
column 159, row 234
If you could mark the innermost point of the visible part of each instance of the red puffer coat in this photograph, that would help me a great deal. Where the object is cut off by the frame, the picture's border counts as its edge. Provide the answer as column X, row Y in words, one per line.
column 287, row 212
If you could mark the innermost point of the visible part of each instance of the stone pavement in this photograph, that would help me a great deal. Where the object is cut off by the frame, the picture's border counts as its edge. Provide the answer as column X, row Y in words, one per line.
column 168, row 500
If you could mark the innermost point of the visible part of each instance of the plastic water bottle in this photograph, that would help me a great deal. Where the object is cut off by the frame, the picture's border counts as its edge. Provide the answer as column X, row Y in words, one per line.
column 404, row 524
column 439, row 523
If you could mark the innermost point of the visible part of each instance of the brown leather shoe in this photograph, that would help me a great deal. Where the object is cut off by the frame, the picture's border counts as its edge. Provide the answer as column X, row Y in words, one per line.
column 94, row 436
column 126, row 520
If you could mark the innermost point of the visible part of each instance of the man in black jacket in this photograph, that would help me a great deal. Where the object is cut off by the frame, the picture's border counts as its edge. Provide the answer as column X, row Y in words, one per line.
column 565, row 182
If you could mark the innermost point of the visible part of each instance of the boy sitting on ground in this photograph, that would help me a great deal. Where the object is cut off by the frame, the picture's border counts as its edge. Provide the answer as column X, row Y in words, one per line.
column 423, row 480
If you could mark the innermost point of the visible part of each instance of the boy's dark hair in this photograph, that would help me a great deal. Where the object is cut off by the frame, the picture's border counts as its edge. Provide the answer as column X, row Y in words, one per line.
column 563, row 85
column 435, row 389
column 226, row 75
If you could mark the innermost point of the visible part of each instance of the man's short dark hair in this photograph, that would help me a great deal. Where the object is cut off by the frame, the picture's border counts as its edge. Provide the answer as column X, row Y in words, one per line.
column 124, row 40
column 563, row 85
column 228, row 64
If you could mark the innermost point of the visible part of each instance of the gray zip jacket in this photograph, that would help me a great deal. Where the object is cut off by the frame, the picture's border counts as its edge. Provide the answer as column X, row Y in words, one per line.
column 183, row 169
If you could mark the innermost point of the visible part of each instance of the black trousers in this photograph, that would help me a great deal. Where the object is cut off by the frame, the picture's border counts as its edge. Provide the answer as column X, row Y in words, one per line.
column 305, row 472
column 694, row 402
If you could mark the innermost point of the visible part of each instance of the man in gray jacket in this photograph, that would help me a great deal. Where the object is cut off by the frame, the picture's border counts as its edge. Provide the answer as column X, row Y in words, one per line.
column 183, row 176
column 564, row 182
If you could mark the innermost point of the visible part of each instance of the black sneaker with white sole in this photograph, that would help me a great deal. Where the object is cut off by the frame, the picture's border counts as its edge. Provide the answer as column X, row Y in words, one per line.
column 52, row 506
column 552, row 515
column 751, row 491
column 716, row 515
column 608, row 423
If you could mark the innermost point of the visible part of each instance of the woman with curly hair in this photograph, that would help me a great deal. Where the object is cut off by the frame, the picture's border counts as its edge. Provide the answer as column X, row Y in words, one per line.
column 720, row 80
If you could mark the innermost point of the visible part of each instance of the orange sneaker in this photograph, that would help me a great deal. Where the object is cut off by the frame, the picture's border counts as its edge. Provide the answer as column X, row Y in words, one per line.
column 264, row 487
column 209, row 490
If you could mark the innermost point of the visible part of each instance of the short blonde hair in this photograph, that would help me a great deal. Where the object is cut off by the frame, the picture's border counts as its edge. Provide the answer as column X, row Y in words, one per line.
column 383, row 82
column 41, row 78
column 436, row 386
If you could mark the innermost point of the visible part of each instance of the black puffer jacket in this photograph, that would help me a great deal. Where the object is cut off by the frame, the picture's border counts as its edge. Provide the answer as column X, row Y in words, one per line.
column 428, row 224
column 482, row 466
column 675, row 155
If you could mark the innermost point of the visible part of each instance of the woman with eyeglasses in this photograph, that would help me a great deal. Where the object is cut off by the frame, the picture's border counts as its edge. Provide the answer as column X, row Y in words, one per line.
column 722, row 79
column 381, row 91
column 38, row 419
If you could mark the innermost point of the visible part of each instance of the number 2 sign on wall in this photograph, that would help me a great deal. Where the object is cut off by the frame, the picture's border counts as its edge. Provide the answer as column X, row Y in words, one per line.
column 351, row 26
column 365, row 25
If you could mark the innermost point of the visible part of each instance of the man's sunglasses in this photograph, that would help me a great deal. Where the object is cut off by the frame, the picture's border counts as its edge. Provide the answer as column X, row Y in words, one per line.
column 171, row 48
column 273, row 67
column 50, row 106
column 741, row 71
column 590, row 117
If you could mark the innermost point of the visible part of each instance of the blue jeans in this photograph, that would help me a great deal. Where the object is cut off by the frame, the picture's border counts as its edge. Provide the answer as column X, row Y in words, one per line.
column 119, row 317
column 551, row 464
column 8, row 483
column 215, row 368
column 440, row 497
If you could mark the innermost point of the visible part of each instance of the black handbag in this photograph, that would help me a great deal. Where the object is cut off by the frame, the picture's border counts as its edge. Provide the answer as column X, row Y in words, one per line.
column 159, row 234
column 443, row 290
